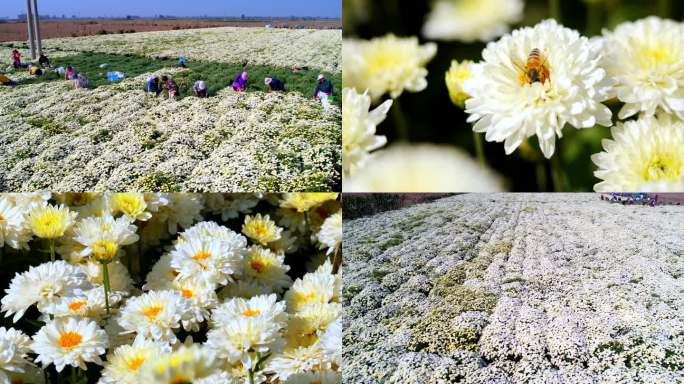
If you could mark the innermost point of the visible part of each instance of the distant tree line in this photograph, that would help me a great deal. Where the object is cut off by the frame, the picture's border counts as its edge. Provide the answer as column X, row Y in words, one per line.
column 357, row 205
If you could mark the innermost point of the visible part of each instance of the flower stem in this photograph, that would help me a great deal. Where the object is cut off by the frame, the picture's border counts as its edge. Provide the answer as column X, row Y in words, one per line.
column 594, row 16
column 479, row 148
column 337, row 258
column 554, row 10
column 399, row 121
column 73, row 375
column 105, row 281
column 664, row 7
column 557, row 174
column 52, row 249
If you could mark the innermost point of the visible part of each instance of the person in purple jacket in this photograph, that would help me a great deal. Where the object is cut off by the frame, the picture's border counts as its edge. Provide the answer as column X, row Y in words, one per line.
column 240, row 82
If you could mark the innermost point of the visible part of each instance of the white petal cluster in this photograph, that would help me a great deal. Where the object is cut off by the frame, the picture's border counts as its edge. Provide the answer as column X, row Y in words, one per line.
column 506, row 107
column 645, row 57
column 330, row 235
column 14, row 347
column 69, row 341
column 13, row 231
column 470, row 20
column 155, row 315
column 103, row 237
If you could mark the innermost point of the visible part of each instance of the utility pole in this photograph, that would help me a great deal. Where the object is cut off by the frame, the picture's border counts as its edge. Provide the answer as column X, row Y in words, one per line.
column 29, row 23
column 36, row 28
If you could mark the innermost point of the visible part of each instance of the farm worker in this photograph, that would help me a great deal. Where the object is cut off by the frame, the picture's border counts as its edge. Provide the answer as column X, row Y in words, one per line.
column 152, row 85
column 70, row 73
column 81, row 82
column 240, row 82
column 201, row 89
column 171, row 86
column 44, row 61
column 274, row 84
column 16, row 58
column 4, row 80
column 181, row 62
column 34, row 70
column 323, row 91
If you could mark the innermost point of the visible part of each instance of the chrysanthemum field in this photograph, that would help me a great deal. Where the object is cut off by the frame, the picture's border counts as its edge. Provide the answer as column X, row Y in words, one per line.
column 170, row 288
column 515, row 288
column 114, row 137
column 513, row 95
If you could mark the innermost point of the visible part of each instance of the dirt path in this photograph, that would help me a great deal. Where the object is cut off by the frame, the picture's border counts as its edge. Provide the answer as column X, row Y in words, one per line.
column 515, row 289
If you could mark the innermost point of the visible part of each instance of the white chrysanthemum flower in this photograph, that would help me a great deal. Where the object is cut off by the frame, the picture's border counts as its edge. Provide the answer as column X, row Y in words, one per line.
column 102, row 237
column 231, row 205
column 207, row 259
column 26, row 201
column 358, row 129
column 386, row 64
column 295, row 361
column 330, row 235
column 69, row 342
column 43, row 285
column 646, row 153
column 245, row 289
column 261, row 229
column 471, row 20
column 118, row 335
column 156, row 200
column 182, row 210
column 265, row 307
column 14, row 347
column 12, row 229
column 511, row 104
column 238, row 340
column 50, row 222
column 155, row 315
column 316, row 377
column 423, row 168
column 131, row 204
column 266, row 267
column 645, row 57
column 201, row 297
column 288, row 243
column 123, row 365
column 31, row 375
column 213, row 230
column 223, row 377
column 314, row 288
column 120, row 282
column 188, row 364
column 90, row 304
column 310, row 321
column 330, row 342
column 304, row 201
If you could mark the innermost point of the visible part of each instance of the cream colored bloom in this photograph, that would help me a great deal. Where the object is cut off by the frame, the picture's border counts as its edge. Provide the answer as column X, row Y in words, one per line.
column 330, row 235
column 181, row 211
column 455, row 76
column 260, row 229
column 470, row 20
column 386, row 64
column 207, row 259
column 358, row 129
column 155, row 315
column 44, row 285
column 188, row 364
column 424, row 168
column 645, row 154
column 103, row 237
column 510, row 106
column 50, row 222
column 131, row 204
column 123, row 365
column 265, row 307
column 646, row 58
column 69, row 342
column 14, row 348
column 304, row 201
column 267, row 268
column 12, row 229
column 314, row 288
column 120, row 281
column 238, row 340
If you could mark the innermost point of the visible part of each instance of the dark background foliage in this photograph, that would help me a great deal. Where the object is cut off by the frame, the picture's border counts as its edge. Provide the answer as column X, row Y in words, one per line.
column 429, row 116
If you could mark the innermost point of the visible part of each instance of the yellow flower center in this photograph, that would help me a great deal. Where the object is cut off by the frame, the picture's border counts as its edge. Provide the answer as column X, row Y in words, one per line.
column 201, row 255
column 381, row 60
column 49, row 225
column 186, row 293
column 135, row 363
column 76, row 305
column 653, row 55
column 152, row 312
column 663, row 167
column 257, row 265
column 251, row 312
column 259, row 228
column 130, row 204
column 70, row 339
column 104, row 250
